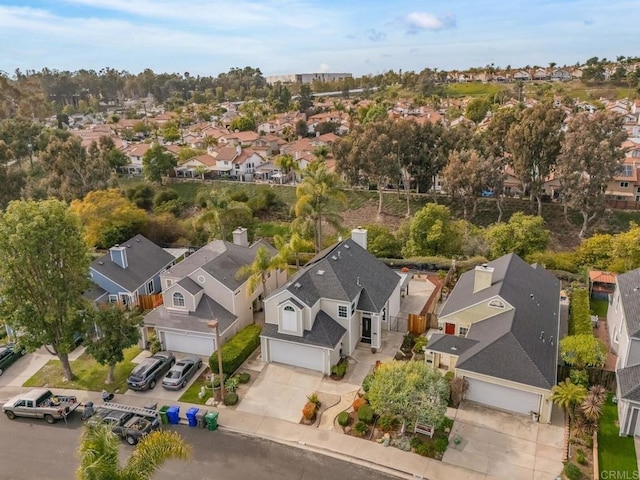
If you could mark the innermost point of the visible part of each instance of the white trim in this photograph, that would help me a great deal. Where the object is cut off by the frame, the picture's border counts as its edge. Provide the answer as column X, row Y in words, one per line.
column 174, row 296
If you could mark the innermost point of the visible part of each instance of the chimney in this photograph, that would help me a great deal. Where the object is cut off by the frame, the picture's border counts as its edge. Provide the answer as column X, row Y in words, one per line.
column 238, row 149
column 240, row 237
column 359, row 235
column 118, row 256
column 483, row 278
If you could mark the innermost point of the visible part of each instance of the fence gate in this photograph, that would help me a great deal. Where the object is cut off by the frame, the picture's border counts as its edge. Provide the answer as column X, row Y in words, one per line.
column 417, row 324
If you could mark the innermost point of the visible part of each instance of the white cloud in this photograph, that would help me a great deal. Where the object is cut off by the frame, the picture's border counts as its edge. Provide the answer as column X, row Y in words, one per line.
column 428, row 21
column 324, row 67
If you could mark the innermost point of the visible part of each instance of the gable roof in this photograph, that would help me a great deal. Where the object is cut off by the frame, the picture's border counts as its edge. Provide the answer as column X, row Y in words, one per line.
column 326, row 332
column 343, row 272
column 629, row 382
column 144, row 259
column 221, row 260
column 629, row 287
column 521, row 344
column 208, row 309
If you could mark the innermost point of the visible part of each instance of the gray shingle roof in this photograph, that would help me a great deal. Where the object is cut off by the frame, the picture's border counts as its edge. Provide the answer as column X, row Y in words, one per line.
column 221, row 259
column 144, row 259
column 450, row 344
column 629, row 288
column 208, row 309
column 629, row 382
column 341, row 273
column 189, row 285
column 519, row 345
column 326, row 332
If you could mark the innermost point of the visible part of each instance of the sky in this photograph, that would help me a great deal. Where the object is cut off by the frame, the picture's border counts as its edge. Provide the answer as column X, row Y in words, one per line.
column 208, row 37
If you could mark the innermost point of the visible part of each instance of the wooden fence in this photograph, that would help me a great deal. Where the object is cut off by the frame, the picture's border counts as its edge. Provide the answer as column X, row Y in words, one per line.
column 417, row 324
column 149, row 302
column 597, row 376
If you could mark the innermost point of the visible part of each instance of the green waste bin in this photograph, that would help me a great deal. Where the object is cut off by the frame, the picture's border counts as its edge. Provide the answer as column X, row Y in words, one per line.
column 163, row 414
column 211, row 418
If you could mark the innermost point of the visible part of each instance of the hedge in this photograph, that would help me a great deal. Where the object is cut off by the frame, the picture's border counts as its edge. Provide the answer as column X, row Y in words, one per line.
column 433, row 264
column 580, row 318
column 237, row 350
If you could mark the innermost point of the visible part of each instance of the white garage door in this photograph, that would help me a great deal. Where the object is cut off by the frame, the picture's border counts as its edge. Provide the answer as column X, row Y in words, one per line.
column 501, row 397
column 179, row 342
column 296, row 355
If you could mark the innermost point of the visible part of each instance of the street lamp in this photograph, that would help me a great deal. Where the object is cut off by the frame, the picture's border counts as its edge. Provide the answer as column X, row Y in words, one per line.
column 214, row 325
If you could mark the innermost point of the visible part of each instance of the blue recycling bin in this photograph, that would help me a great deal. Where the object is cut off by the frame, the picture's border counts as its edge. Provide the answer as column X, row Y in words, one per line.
column 191, row 416
column 173, row 414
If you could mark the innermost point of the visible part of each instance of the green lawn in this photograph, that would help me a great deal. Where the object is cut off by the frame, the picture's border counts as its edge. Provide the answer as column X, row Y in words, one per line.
column 599, row 307
column 615, row 453
column 473, row 89
column 271, row 229
column 89, row 374
column 191, row 394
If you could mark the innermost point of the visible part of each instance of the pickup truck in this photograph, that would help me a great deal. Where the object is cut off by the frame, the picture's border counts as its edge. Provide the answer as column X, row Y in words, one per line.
column 40, row 403
column 129, row 423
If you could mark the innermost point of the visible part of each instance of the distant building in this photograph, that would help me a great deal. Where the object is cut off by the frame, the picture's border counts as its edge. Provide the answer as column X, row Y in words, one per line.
column 307, row 77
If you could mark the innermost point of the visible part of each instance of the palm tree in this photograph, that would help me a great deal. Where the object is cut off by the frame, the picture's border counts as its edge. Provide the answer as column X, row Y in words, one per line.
column 321, row 152
column 295, row 246
column 316, row 199
column 567, row 395
column 262, row 264
column 220, row 212
column 98, row 453
column 287, row 164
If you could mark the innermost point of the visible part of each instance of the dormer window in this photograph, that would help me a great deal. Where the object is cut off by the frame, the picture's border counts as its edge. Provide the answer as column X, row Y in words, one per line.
column 178, row 299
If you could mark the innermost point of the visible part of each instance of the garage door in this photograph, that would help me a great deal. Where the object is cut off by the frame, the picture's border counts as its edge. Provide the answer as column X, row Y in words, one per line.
column 296, row 355
column 501, row 397
column 180, row 342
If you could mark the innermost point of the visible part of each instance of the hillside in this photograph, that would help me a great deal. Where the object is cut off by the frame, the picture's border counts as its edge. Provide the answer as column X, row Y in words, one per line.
column 362, row 208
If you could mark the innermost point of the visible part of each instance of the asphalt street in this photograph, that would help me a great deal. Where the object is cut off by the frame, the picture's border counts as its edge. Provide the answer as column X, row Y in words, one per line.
column 31, row 449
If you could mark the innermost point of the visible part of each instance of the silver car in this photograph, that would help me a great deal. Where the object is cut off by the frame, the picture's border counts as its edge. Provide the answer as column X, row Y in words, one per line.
column 178, row 376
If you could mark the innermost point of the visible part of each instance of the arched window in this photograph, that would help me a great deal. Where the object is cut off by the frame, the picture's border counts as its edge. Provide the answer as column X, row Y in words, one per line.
column 178, row 299
column 289, row 319
column 289, row 308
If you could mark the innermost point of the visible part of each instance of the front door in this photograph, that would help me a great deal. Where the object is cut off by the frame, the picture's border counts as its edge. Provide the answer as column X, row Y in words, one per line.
column 366, row 330
column 450, row 328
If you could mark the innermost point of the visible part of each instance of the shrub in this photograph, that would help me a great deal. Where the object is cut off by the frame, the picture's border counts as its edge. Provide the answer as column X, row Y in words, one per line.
column 231, row 398
column 358, row 402
column 447, row 423
column 239, row 196
column 449, row 376
column 579, row 377
column 216, row 381
column 344, row 418
column 231, row 384
column 365, row 414
column 420, row 343
column 580, row 319
column 572, row 472
column 360, row 428
column 581, row 458
column 164, row 196
column 237, row 350
column 408, row 341
column 154, row 344
column 313, row 398
column 339, row 369
column 440, row 445
column 403, row 443
column 244, row 377
column 387, row 423
column 309, row 411
column 424, row 449
column 366, row 382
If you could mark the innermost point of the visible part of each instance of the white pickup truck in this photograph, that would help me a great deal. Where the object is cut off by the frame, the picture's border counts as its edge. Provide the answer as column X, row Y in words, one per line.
column 40, row 403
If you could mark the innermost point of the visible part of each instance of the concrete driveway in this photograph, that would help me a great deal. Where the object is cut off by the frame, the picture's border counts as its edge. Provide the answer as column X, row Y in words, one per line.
column 502, row 445
column 280, row 391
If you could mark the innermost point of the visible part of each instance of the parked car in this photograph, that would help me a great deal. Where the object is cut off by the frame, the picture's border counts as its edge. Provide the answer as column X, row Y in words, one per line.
column 178, row 376
column 8, row 355
column 150, row 371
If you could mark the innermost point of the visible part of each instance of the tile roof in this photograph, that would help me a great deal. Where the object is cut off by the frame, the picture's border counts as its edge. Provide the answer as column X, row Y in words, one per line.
column 326, row 332
column 629, row 288
column 227, row 154
column 345, row 272
column 519, row 344
column 144, row 259
column 629, row 382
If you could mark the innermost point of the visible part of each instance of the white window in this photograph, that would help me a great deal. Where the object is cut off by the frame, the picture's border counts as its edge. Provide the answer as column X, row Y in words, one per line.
column 151, row 287
column 343, row 312
column 463, row 331
column 169, row 282
column 178, row 299
column 113, row 298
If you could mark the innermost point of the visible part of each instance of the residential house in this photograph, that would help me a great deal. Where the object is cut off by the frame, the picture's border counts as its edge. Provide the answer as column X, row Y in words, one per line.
column 540, row 74
column 191, row 167
column 625, row 185
column 522, row 76
column 343, row 298
column 561, row 75
column 244, row 165
column 623, row 325
column 269, row 144
column 129, row 271
column 134, row 153
column 242, row 139
column 204, row 287
column 500, row 333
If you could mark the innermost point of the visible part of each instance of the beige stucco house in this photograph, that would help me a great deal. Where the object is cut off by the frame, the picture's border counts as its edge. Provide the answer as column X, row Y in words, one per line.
column 500, row 332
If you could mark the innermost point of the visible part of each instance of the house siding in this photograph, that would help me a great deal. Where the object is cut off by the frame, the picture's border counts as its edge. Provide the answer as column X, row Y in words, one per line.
column 475, row 313
column 107, row 284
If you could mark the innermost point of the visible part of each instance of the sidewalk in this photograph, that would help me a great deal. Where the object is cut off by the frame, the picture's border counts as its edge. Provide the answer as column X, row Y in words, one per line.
column 389, row 460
